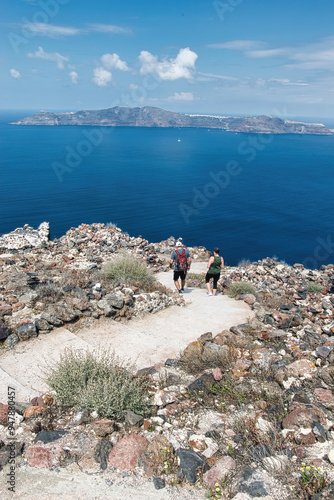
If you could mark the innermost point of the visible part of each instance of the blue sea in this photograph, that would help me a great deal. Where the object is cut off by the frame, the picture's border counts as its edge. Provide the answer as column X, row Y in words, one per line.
column 254, row 196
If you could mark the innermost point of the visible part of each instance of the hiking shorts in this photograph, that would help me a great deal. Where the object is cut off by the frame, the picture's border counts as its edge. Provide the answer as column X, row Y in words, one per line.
column 180, row 274
column 215, row 278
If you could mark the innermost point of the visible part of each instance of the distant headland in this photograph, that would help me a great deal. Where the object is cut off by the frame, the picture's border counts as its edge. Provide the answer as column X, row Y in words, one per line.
column 149, row 116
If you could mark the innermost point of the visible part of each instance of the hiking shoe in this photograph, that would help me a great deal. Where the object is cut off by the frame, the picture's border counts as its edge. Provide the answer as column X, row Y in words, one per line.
column 209, row 294
column 180, row 292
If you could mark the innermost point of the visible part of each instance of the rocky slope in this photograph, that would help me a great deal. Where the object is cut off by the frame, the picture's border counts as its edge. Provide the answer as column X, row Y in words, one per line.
column 245, row 413
column 155, row 117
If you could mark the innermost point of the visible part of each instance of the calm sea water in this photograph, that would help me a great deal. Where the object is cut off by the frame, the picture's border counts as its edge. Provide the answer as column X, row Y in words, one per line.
column 253, row 196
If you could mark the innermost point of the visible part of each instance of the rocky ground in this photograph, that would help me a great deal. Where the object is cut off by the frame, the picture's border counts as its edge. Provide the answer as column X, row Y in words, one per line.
column 247, row 413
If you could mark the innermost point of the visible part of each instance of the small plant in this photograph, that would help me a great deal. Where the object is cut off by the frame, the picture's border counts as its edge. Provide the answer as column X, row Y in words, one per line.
column 244, row 263
column 222, row 489
column 312, row 480
column 314, row 288
column 129, row 270
column 240, row 287
column 98, row 381
column 169, row 460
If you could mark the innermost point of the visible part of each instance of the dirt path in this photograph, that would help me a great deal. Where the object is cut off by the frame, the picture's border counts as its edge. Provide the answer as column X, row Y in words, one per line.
column 145, row 341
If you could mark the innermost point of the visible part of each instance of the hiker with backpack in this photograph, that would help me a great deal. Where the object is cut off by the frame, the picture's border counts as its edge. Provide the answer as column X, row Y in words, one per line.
column 181, row 260
column 215, row 265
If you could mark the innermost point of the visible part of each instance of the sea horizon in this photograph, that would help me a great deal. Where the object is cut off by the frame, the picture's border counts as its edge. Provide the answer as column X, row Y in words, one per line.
column 211, row 187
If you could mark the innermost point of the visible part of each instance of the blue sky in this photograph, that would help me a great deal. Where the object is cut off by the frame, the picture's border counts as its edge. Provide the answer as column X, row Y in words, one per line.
column 217, row 57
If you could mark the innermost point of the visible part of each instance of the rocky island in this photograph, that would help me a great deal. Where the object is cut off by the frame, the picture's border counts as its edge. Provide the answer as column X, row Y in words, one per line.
column 149, row 116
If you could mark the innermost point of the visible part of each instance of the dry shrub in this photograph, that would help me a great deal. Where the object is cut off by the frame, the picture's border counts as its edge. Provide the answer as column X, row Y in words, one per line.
column 130, row 271
column 239, row 288
column 98, row 381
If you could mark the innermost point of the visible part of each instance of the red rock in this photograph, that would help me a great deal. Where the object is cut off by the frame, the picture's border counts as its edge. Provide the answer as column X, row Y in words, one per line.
column 323, row 394
column 104, row 427
column 5, row 309
column 276, row 315
column 18, row 306
column 66, row 258
column 305, row 438
column 44, row 456
column 249, row 298
column 241, row 366
column 217, row 374
column 317, row 462
column 38, row 401
column 223, row 466
column 264, row 335
column 302, row 368
column 300, row 452
column 303, row 417
column 126, row 453
column 3, row 414
column 32, row 411
column 39, row 456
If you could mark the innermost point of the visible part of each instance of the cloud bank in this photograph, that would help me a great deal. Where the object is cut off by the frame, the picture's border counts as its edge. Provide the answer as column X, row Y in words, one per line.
column 183, row 66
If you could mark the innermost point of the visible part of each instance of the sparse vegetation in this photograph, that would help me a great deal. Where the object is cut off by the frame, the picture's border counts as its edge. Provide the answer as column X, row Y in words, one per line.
column 97, row 381
column 129, row 270
column 244, row 263
column 240, row 287
column 314, row 288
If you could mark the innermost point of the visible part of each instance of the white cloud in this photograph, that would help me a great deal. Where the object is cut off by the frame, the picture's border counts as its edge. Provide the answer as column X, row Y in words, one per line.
column 317, row 55
column 238, row 45
column 133, row 86
column 54, row 31
column 183, row 66
column 285, row 82
column 50, row 30
column 113, row 61
column 15, row 74
column 74, row 77
column 260, row 54
column 213, row 76
column 109, row 28
column 182, row 96
column 54, row 57
column 102, row 77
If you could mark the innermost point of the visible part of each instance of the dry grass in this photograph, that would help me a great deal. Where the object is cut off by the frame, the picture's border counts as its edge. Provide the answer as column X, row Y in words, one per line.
column 98, row 381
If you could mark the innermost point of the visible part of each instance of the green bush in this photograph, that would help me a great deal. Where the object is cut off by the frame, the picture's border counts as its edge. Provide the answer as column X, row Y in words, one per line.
column 97, row 381
column 314, row 288
column 240, row 287
column 129, row 270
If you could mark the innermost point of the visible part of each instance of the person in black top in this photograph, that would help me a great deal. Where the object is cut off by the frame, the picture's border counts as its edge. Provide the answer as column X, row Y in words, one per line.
column 215, row 265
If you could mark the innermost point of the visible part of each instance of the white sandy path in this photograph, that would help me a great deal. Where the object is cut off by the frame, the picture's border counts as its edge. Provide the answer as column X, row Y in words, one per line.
column 145, row 341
